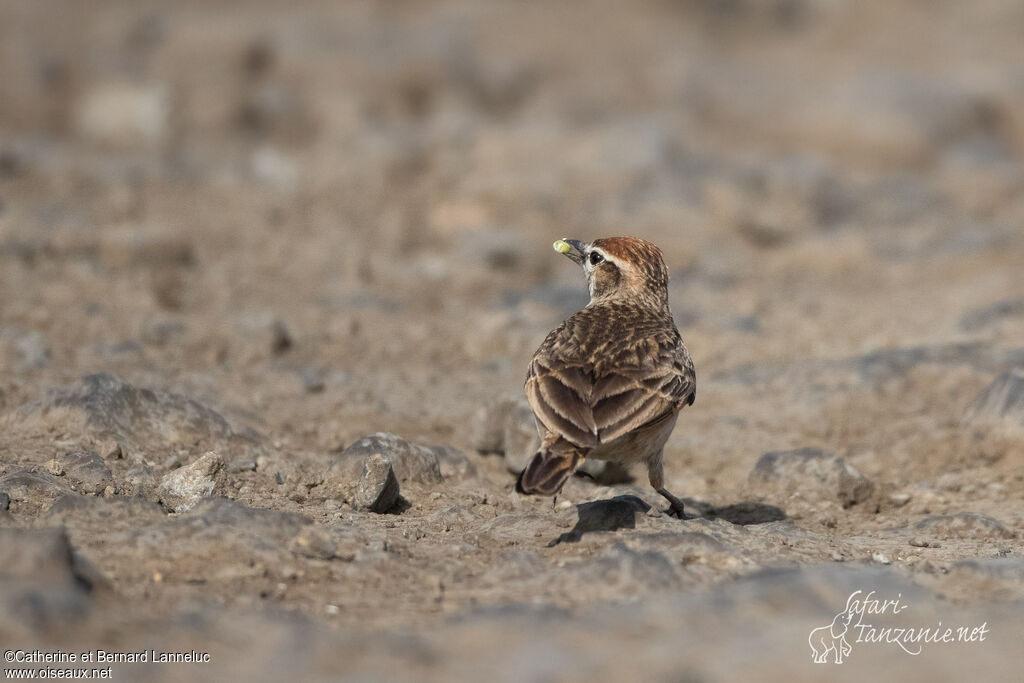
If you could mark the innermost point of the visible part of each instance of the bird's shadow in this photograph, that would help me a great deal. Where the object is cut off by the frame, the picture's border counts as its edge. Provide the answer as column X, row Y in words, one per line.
column 620, row 513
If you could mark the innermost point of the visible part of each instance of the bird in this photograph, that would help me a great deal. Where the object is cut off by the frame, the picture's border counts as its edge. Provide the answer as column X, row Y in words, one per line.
column 610, row 381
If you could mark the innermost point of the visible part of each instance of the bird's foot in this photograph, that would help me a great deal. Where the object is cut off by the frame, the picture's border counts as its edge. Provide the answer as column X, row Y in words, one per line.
column 675, row 506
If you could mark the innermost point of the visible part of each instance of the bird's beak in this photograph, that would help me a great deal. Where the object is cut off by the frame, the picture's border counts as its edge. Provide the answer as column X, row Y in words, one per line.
column 572, row 248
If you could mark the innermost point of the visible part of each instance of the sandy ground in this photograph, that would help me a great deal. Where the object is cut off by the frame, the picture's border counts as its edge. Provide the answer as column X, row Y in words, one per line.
column 268, row 230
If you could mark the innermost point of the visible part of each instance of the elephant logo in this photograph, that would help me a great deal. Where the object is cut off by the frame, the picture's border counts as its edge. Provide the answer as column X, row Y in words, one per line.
column 832, row 638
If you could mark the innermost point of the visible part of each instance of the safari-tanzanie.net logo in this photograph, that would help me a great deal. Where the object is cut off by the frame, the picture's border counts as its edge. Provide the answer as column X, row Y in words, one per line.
column 862, row 622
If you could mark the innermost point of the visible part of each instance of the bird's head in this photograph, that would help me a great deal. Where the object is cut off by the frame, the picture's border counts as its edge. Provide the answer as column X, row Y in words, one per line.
column 620, row 267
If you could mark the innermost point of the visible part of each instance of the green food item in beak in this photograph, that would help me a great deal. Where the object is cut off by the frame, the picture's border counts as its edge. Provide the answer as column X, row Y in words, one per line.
column 572, row 248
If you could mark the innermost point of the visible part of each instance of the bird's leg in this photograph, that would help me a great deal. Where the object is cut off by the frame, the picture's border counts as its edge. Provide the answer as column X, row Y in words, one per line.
column 675, row 505
column 656, row 473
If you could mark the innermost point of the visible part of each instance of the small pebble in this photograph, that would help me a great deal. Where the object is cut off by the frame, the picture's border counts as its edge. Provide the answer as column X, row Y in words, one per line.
column 899, row 499
column 919, row 542
column 880, row 558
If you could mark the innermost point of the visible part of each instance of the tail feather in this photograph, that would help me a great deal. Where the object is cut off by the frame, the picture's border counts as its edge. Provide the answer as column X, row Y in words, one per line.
column 546, row 473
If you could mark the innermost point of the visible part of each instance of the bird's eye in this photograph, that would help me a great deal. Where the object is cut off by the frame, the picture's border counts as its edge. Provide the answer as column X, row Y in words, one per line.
column 595, row 258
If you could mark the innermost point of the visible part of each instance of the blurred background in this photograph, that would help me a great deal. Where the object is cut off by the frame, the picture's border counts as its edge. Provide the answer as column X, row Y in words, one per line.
column 332, row 218
column 258, row 199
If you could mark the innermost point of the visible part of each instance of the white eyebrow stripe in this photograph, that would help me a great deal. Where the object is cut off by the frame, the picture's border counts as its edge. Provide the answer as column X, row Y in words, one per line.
column 604, row 254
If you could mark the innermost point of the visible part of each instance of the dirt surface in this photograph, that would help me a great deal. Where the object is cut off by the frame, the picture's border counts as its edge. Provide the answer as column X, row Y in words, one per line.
column 271, row 273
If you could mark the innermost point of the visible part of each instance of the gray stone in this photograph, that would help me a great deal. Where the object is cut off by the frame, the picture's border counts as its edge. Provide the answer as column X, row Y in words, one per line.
column 5, row 502
column 102, row 407
column 971, row 525
column 85, row 512
column 139, row 480
column 84, row 470
column 982, row 317
column 261, row 335
column 312, row 379
column 124, row 114
column 453, row 462
column 218, row 540
column 412, row 463
column 487, row 434
column 318, row 543
column 24, row 350
column 1009, row 569
column 43, row 583
column 182, row 488
column 607, row 473
column 378, row 486
column 156, row 248
column 520, row 438
column 1001, row 403
column 32, row 492
column 811, row 474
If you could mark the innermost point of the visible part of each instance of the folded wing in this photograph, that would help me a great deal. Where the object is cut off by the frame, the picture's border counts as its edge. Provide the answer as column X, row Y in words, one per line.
column 589, row 405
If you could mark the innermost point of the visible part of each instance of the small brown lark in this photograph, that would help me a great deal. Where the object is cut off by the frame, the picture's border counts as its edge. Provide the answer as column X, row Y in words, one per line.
column 609, row 382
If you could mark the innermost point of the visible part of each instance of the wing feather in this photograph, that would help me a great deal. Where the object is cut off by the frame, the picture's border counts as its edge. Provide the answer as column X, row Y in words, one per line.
column 589, row 403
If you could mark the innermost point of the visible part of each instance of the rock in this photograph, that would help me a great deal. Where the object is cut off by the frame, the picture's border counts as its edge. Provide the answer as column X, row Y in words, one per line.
column 23, row 350
column 1001, row 403
column 378, row 486
column 111, row 450
column 161, row 332
column 218, row 540
column 42, row 582
column 262, row 334
column 899, row 499
column 139, row 480
column 319, row 543
column 30, row 493
column 88, row 512
column 274, row 168
column 149, row 247
column 124, row 114
column 312, row 378
column 84, row 470
column 487, row 434
column 506, row 425
column 412, row 463
column 496, row 86
column 520, row 436
column 102, row 407
column 971, row 525
column 607, row 473
column 982, row 317
column 273, row 108
column 810, row 474
column 5, row 502
column 181, row 489
column 1009, row 569
column 453, row 462
column 12, row 164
